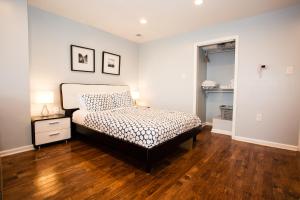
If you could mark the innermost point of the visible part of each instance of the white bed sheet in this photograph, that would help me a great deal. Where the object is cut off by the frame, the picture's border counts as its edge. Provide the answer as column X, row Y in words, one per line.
column 78, row 116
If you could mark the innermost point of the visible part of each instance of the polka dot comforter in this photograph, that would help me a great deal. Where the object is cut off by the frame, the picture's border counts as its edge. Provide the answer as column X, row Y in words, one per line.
column 143, row 126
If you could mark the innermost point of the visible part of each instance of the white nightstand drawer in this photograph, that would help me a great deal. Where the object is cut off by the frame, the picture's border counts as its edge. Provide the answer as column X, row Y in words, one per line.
column 51, row 125
column 52, row 136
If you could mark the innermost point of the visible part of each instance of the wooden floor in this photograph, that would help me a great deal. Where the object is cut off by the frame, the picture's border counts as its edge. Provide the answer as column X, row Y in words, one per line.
column 217, row 168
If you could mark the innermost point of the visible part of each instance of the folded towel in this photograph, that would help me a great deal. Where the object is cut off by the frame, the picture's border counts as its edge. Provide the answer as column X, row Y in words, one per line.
column 208, row 83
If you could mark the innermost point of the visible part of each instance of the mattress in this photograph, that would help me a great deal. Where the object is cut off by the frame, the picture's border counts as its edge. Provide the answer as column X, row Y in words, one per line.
column 143, row 126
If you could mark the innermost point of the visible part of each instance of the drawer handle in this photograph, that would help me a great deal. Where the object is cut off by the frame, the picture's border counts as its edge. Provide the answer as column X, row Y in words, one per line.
column 53, row 134
column 52, row 123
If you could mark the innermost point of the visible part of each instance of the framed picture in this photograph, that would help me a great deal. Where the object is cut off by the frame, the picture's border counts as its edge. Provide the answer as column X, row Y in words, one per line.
column 82, row 59
column 111, row 63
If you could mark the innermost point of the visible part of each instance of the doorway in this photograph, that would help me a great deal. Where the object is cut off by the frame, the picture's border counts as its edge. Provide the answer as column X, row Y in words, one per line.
column 215, row 83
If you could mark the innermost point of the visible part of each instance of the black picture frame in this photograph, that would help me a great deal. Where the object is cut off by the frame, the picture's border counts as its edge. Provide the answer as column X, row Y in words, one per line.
column 105, row 53
column 72, row 59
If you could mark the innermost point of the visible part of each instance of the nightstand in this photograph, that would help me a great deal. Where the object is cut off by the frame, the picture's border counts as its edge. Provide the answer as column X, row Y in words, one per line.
column 50, row 129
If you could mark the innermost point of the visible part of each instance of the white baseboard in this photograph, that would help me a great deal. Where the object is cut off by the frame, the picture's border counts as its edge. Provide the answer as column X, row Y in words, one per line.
column 266, row 143
column 206, row 124
column 16, row 150
column 219, row 131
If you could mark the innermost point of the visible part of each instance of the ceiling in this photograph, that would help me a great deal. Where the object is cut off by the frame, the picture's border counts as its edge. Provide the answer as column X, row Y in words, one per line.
column 165, row 17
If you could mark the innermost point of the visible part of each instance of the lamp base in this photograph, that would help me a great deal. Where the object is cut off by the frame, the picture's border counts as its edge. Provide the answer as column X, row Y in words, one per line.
column 45, row 111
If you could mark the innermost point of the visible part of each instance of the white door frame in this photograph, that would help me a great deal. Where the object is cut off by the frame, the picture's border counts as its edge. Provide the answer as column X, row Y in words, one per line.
column 236, row 65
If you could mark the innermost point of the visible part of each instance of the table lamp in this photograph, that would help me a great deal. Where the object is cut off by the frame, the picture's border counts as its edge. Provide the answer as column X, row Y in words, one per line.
column 135, row 96
column 45, row 97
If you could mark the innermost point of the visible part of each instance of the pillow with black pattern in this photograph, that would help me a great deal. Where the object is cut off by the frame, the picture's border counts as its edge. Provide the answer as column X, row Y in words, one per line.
column 122, row 99
column 96, row 102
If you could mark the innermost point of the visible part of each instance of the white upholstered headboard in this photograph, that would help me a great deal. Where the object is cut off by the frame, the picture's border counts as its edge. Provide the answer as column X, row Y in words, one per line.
column 70, row 92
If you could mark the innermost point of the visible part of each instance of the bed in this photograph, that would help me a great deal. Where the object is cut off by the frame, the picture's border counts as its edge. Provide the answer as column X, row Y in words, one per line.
column 144, row 132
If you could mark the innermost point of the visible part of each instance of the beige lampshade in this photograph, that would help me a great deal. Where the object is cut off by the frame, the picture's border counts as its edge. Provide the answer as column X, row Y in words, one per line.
column 135, row 95
column 44, row 97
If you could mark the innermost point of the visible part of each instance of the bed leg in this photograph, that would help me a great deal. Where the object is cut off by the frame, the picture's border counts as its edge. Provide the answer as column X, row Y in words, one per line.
column 148, row 167
column 148, row 162
column 73, row 130
column 194, row 138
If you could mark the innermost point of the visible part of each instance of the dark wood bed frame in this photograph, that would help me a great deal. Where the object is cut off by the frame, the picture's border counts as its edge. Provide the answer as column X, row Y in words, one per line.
column 148, row 156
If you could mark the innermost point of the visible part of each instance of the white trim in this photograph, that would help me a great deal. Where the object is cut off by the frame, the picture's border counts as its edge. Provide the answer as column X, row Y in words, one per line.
column 236, row 66
column 235, row 93
column 207, row 124
column 266, row 143
column 219, row 131
column 16, row 150
column 195, row 79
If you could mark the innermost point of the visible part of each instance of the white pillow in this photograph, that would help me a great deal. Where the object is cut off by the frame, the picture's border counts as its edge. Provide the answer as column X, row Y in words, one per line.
column 81, row 102
column 96, row 102
column 122, row 99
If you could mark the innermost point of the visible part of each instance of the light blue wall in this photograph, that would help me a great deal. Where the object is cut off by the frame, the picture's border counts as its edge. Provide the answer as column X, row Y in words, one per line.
column 50, row 39
column 167, row 73
column 220, row 67
column 39, row 59
column 14, row 76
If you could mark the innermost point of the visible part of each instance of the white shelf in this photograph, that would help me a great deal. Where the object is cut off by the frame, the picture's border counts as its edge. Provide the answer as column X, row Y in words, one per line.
column 218, row 90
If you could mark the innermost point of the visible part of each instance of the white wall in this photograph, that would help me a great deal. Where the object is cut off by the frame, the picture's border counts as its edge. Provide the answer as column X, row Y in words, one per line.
column 166, row 73
column 14, row 76
column 50, row 39
column 219, row 69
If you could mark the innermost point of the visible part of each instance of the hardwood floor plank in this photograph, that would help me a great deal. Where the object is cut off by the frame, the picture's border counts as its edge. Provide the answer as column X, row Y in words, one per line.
column 216, row 168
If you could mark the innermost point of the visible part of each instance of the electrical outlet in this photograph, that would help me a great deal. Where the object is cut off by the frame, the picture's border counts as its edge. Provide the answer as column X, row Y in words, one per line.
column 259, row 117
